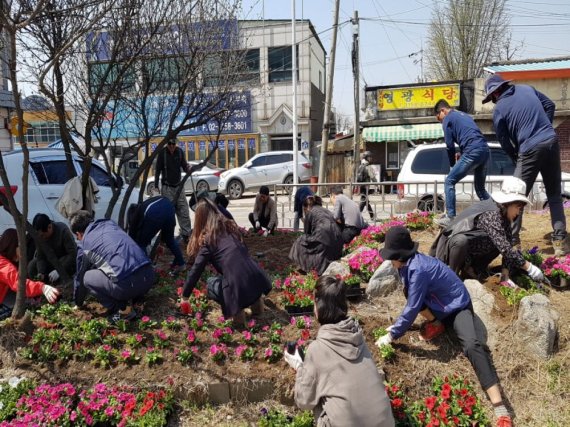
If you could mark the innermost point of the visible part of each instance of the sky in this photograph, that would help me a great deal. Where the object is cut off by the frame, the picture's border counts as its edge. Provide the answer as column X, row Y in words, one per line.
column 390, row 31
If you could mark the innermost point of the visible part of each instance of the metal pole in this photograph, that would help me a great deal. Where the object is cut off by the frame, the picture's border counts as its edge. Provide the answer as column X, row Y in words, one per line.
column 328, row 97
column 355, row 72
column 295, row 131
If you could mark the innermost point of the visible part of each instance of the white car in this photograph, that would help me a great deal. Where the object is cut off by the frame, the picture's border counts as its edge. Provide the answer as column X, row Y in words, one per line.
column 47, row 177
column 205, row 179
column 272, row 167
column 428, row 163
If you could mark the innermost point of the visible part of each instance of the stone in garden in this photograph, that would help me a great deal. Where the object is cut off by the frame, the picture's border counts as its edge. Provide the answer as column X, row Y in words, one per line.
column 537, row 325
column 384, row 281
column 337, row 268
column 483, row 303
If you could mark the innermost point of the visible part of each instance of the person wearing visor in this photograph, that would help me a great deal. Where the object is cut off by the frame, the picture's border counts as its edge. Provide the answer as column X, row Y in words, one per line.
column 433, row 290
column 484, row 231
column 522, row 118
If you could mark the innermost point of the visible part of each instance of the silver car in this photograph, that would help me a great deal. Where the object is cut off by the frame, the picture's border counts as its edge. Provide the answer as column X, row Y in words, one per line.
column 205, row 179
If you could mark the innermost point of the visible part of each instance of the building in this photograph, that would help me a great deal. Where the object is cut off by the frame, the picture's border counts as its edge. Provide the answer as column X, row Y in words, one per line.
column 6, row 99
column 263, row 121
column 42, row 124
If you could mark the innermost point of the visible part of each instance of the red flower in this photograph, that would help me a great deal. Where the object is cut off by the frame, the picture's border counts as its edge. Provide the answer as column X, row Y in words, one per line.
column 456, row 421
column 430, row 402
column 422, row 416
column 446, row 391
column 305, row 334
column 463, row 392
column 395, row 389
column 397, row 403
column 442, row 409
column 467, row 410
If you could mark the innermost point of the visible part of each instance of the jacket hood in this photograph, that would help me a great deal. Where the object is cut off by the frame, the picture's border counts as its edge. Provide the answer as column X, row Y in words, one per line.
column 344, row 338
column 508, row 92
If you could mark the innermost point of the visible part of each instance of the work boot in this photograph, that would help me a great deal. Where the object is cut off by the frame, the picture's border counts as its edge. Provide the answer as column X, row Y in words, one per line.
column 431, row 330
column 127, row 314
column 560, row 246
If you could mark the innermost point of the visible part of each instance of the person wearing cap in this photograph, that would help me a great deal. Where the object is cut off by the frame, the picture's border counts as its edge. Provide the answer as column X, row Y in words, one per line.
column 219, row 200
column 146, row 219
column 483, row 231
column 366, row 174
column 459, row 128
column 347, row 214
column 169, row 163
column 522, row 118
column 433, row 290
column 264, row 215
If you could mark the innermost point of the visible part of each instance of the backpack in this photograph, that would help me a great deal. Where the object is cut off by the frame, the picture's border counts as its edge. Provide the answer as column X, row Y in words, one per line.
column 361, row 174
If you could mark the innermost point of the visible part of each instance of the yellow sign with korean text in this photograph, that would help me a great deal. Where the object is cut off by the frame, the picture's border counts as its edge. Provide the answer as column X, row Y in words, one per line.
column 414, row 97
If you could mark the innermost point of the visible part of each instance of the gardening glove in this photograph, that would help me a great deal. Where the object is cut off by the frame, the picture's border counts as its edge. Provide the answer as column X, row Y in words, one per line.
column 50, row 293
column 257, row 225
column 294, row 360
column 535, row 273
column 53, row 276
column 384, row 340
column 265, row 232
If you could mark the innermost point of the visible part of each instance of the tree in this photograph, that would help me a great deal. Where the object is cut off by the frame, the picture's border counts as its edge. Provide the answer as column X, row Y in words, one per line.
column 464, row 35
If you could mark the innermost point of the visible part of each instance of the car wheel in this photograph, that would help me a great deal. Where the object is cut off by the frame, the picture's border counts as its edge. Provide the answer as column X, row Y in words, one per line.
column 150, row 188
column 235, row 189
column 202, row 186
column 288, row 180
column 426, row 204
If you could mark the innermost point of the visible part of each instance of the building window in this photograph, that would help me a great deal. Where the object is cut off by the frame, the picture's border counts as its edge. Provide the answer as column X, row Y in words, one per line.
column 281, row 64
column 163, row 74
column 42, row 133
column 392, row 155
column 248, row 70
column 103, row 77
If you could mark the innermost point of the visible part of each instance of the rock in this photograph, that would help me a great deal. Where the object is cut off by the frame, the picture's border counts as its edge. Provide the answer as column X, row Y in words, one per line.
column 337, row 268
column 483, row 303
column 537, row 325
column 384, row 281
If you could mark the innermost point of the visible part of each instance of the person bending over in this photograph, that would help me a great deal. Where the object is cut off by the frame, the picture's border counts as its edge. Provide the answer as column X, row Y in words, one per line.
column 347, row 214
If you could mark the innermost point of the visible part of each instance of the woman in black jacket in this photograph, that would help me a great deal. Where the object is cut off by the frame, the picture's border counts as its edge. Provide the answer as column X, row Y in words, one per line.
column 322, row 242
column 216, row 240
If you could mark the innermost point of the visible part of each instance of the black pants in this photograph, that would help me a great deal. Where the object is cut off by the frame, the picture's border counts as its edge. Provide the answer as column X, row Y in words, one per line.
column 544, row 158
column 463, row 322
column 349, row 233
column 459, row 251
column 364, row 202
column 263, row 222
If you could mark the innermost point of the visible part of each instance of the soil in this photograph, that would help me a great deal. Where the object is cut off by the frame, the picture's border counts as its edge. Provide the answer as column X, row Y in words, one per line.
column 538, row 391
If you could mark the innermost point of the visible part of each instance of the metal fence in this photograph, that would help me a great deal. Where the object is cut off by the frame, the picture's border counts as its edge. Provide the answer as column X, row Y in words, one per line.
column 390, row 198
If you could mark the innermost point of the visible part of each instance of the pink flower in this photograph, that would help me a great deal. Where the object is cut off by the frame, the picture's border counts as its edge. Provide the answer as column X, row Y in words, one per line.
column 251, row 324
column 106, row 347
column 161, row 335
column 247, row 335
column 125, row 354
column 191, row 337
column 145, row 319
column 293, row 321
column 138, row 337
column 213, row 349
column 217, row 333
column 240, row 349
column 268, row 352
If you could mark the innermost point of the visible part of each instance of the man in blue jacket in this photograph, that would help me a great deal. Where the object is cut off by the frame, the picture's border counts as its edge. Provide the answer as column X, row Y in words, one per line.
column 433, row 290
column 110, row 265
column 459, row 128
column 523, row 123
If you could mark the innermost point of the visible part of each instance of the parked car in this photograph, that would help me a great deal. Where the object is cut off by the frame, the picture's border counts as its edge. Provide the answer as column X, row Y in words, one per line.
column 428, row 163
column 205, row 179
column 47, row 177
column 272, row 167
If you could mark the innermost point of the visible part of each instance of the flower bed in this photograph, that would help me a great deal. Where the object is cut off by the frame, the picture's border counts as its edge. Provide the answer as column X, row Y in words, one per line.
column 297, row 292
column 557, row 270
column 364, row 263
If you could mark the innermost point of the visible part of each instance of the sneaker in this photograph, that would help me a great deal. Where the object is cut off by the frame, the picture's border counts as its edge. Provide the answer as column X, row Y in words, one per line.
column 443, row 221
column 560, row 246
column 504, row 421
column 127, row 314
column 431, row 330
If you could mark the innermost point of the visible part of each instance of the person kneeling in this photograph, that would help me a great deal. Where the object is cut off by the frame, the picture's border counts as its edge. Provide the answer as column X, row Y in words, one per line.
column 264, row 215
column 433, row 290
column 217, row 240
column 339, row 380
column 110, row 265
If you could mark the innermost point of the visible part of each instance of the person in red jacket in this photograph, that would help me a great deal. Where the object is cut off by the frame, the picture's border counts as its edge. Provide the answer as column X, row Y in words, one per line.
column 9, row 258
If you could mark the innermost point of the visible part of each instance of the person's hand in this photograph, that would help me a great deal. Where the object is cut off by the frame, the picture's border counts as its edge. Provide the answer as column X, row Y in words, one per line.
column 53, row 276
column 51, row 293
column 535, row 273
column 384, row 340
column 294, row 360
column 257, row 224
column 457, row 156
column 265, row 232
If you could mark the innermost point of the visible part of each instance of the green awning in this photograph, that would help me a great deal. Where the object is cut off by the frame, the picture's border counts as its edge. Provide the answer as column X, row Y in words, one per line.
column 403, row 132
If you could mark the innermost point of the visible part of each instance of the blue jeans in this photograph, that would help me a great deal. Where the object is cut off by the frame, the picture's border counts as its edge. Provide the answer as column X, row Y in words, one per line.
column 160, row 216
column 475, row 161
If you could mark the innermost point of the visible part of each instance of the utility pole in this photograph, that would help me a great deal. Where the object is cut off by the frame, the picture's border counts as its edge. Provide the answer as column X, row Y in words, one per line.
column 356, row 74
column 295, row 131
column 328, row 97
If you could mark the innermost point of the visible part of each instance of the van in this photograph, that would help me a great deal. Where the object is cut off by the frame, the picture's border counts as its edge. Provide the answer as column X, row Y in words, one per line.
column 429, row 163
column 46, row 180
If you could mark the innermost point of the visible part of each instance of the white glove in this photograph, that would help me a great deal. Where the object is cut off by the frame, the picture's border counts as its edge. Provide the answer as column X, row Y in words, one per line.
column 535, row 273
column 384, row 340
column 266, row 233
column 257, row 224
column 294, row 360
column 50, row 293
column 53, row 276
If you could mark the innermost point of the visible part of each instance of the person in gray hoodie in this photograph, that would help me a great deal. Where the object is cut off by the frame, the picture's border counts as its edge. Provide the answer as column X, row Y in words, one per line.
column 338, row 379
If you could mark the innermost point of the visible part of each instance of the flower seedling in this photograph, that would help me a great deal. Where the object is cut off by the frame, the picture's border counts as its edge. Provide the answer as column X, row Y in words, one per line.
column 245, row 353
column 273, row 353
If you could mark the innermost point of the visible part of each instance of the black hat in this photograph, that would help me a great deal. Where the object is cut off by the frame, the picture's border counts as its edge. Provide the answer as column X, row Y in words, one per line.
column 398, row 244
column 264, row 189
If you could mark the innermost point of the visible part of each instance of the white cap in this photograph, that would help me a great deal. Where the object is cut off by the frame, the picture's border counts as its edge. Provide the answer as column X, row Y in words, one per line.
column 512, row 190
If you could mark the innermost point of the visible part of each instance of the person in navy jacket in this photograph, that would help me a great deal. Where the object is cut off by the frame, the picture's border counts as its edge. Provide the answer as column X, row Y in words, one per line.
column 433, row 290
column 110, row 265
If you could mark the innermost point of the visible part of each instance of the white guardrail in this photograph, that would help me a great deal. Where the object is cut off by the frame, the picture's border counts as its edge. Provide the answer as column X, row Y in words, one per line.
column 391, row 198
